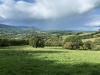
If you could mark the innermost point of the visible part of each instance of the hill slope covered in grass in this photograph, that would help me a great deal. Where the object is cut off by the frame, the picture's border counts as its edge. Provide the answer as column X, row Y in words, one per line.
column 25, row 60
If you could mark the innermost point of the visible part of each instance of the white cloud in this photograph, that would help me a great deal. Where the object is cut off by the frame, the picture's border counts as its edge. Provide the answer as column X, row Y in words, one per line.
column 45, row 9
column 94, row 21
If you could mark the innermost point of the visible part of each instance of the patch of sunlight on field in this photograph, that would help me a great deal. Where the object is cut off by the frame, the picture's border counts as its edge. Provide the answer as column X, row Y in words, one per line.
column 85, row 34
column 66, row 36
column 60, row 54
column 91, row 39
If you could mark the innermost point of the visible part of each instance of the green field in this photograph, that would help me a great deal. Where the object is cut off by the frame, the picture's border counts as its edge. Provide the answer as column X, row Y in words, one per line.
column 25, row 60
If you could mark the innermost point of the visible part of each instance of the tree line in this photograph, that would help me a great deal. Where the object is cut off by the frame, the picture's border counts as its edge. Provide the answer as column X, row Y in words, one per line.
column 41, row 40
column 12, row 42
column 72, row 42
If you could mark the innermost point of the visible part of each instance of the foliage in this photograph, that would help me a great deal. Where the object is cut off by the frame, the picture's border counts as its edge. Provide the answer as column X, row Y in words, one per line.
column 97, row 47
column 4, row 42
column 73, row 42
column 97, row 41
column 68, row 45
column 54, row 41
column 88, row 45
column 12, row 42
column 37, row 41
column 18, row 42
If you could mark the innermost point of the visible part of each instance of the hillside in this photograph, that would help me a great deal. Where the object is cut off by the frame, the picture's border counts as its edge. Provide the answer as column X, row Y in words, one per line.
column 8, row 29
column 6, row 26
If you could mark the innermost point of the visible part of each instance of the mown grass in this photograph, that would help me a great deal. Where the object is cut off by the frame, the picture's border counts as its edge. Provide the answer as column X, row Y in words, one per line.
column 25, row 60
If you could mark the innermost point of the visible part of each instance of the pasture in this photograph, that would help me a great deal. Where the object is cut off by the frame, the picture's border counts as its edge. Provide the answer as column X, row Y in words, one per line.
column 25, row 60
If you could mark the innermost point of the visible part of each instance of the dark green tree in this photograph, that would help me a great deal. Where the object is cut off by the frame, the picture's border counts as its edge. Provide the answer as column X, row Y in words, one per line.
column 37, row 41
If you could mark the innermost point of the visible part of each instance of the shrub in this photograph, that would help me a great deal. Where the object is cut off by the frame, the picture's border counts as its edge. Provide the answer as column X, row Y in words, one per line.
column 12, row 42
column 17, row 42
column 68, row 45
column 97, row 41
column 97, row 47
column 73, row 42
column 54, row 41
column 4, row 42
column 88, row 45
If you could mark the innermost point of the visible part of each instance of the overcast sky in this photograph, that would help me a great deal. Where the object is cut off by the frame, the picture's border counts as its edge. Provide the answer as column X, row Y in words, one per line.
column 52, row 14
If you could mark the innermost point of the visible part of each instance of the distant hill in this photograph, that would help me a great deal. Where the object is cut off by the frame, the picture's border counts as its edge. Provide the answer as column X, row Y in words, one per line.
column 6, row 29
column 20, row 27
column 27, row 27
column 6, row 26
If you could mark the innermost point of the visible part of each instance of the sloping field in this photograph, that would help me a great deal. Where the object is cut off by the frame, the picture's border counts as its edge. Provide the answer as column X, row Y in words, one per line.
column 25, row 60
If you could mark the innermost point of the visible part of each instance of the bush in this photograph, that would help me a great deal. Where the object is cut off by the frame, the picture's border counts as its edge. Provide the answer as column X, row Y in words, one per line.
column 68, row 45
column 97, row 41
column 18, row 42
column 54, row 41
column 97, row 47
column 12, row 42
column 4, row 42
column 73, row 42
column 88, row 45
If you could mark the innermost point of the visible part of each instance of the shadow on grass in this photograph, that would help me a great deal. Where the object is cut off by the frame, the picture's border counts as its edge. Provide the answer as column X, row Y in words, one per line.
column 22, row 63
column 26, row 53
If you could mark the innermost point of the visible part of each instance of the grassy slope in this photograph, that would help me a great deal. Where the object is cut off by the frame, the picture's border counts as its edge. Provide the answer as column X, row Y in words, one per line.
column 48, row 61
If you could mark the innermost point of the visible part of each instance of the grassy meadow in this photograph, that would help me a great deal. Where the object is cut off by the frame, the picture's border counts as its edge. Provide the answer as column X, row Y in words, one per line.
column 25, row 60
